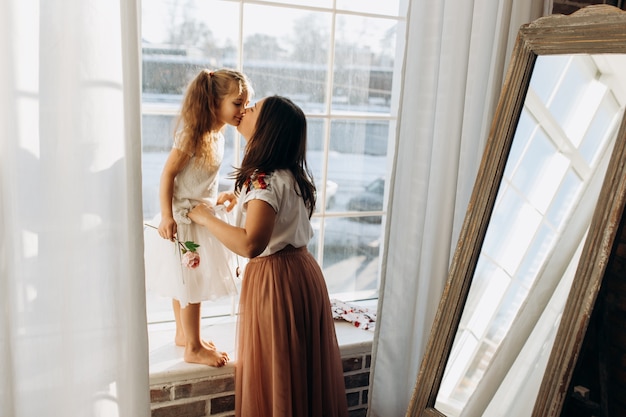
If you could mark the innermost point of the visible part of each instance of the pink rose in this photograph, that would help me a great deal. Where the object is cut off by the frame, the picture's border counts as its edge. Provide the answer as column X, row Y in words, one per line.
column 191, row 259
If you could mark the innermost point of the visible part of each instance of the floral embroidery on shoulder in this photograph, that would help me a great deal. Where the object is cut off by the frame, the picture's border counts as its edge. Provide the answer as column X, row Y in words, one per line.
column 258, row 181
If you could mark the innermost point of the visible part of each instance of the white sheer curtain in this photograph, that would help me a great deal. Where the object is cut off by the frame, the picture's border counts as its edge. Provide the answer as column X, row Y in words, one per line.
column 454, row 67
column 73, row 335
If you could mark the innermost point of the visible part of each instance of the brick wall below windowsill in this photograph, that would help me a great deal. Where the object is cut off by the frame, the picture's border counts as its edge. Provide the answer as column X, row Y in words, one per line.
column 188, row 390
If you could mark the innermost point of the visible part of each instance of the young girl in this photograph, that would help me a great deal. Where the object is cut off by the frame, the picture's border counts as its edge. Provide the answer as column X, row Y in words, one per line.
column 190, row 176
column 288, row 362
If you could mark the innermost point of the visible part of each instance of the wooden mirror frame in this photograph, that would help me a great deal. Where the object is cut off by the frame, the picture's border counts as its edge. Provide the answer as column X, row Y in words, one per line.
column 594, row 29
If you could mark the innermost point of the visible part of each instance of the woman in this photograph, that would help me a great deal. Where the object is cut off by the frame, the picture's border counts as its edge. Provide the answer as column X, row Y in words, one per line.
column 288, row 361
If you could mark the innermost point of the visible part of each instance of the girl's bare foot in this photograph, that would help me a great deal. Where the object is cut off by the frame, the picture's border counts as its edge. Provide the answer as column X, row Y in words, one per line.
column 180, row 341
column 206, row 356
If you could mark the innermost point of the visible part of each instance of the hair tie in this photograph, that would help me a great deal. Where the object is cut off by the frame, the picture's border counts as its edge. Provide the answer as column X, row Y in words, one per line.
column 211, row 73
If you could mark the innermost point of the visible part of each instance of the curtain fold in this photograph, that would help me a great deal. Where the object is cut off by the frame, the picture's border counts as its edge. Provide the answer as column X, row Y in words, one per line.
column 73, row 334
column 454, row 67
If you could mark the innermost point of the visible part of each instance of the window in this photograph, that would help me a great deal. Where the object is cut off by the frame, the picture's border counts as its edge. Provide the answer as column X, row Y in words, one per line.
column 340, row 61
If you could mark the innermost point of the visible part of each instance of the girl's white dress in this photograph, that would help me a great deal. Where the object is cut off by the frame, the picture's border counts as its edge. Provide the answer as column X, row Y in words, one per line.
column 214, row 277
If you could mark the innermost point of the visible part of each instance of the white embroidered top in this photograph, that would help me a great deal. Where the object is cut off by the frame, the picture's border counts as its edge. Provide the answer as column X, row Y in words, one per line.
column 278, row 189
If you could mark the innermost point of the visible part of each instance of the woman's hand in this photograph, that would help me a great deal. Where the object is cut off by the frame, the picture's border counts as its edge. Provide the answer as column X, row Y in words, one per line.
column 201, row 213
column 228, row 199
column 167, row 228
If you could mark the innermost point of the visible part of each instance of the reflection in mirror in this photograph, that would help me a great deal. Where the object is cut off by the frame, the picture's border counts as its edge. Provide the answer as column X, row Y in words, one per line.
column 552, row 178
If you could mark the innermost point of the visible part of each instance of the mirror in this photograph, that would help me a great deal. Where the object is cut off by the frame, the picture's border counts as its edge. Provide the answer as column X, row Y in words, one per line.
column 543, row 209
column 539, row 226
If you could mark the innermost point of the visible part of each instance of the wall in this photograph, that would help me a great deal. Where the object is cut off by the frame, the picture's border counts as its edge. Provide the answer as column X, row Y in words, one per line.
column 214, row 396
column 570, row 6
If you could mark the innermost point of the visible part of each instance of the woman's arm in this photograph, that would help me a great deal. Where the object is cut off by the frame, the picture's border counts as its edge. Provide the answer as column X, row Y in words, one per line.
column 175, row 163
column 249, row 241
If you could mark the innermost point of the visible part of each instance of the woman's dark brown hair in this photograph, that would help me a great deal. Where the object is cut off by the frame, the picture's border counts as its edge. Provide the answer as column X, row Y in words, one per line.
column 279, row 142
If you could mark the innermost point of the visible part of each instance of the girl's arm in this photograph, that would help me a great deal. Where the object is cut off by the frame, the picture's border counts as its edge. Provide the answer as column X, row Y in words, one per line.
column 175, row 163
column 249, row 241
column 228, row 199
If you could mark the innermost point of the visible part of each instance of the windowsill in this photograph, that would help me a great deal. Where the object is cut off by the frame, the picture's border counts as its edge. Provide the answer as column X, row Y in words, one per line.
column 166, row 359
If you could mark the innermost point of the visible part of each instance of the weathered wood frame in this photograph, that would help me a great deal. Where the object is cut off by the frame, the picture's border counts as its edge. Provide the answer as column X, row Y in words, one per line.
column 592, row 30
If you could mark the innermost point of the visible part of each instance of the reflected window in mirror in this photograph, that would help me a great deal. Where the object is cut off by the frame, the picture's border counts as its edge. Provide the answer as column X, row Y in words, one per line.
column 558, row 157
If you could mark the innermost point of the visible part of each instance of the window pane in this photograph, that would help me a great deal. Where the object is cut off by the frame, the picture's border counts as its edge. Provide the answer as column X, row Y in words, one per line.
column 571, row 91
column 364, row 56
column 517, row 224
column 600, row 127
column 494, row 282
column 152, row 165
column 367, row 137
column 525, row 130
column 387, row 7
column 284, row 59
column 313, row 3
column 357, row 162
column 157, row 141
column 546, row 75
column 177, row 42
column 231, row 159
column 351, row 256
column 564, row 199
column 538, row 251
column 541, row 167
column 326, row 193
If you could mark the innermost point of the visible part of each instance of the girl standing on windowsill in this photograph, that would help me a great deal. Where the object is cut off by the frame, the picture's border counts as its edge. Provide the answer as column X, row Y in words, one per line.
column 190, row 177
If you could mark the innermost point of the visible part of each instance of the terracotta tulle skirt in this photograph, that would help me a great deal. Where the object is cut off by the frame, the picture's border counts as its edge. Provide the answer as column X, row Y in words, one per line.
column 288, row 362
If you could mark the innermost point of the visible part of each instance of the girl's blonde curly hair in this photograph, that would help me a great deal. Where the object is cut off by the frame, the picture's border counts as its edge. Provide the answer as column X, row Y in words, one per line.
column 197, row 121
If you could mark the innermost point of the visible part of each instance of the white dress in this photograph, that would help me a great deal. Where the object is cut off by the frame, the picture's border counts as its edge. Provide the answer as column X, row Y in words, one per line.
column 214, row 277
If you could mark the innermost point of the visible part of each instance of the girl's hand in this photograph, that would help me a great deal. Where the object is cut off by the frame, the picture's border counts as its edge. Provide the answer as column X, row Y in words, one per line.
column 200, row 213
column 167, row 228
column 228, row 199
